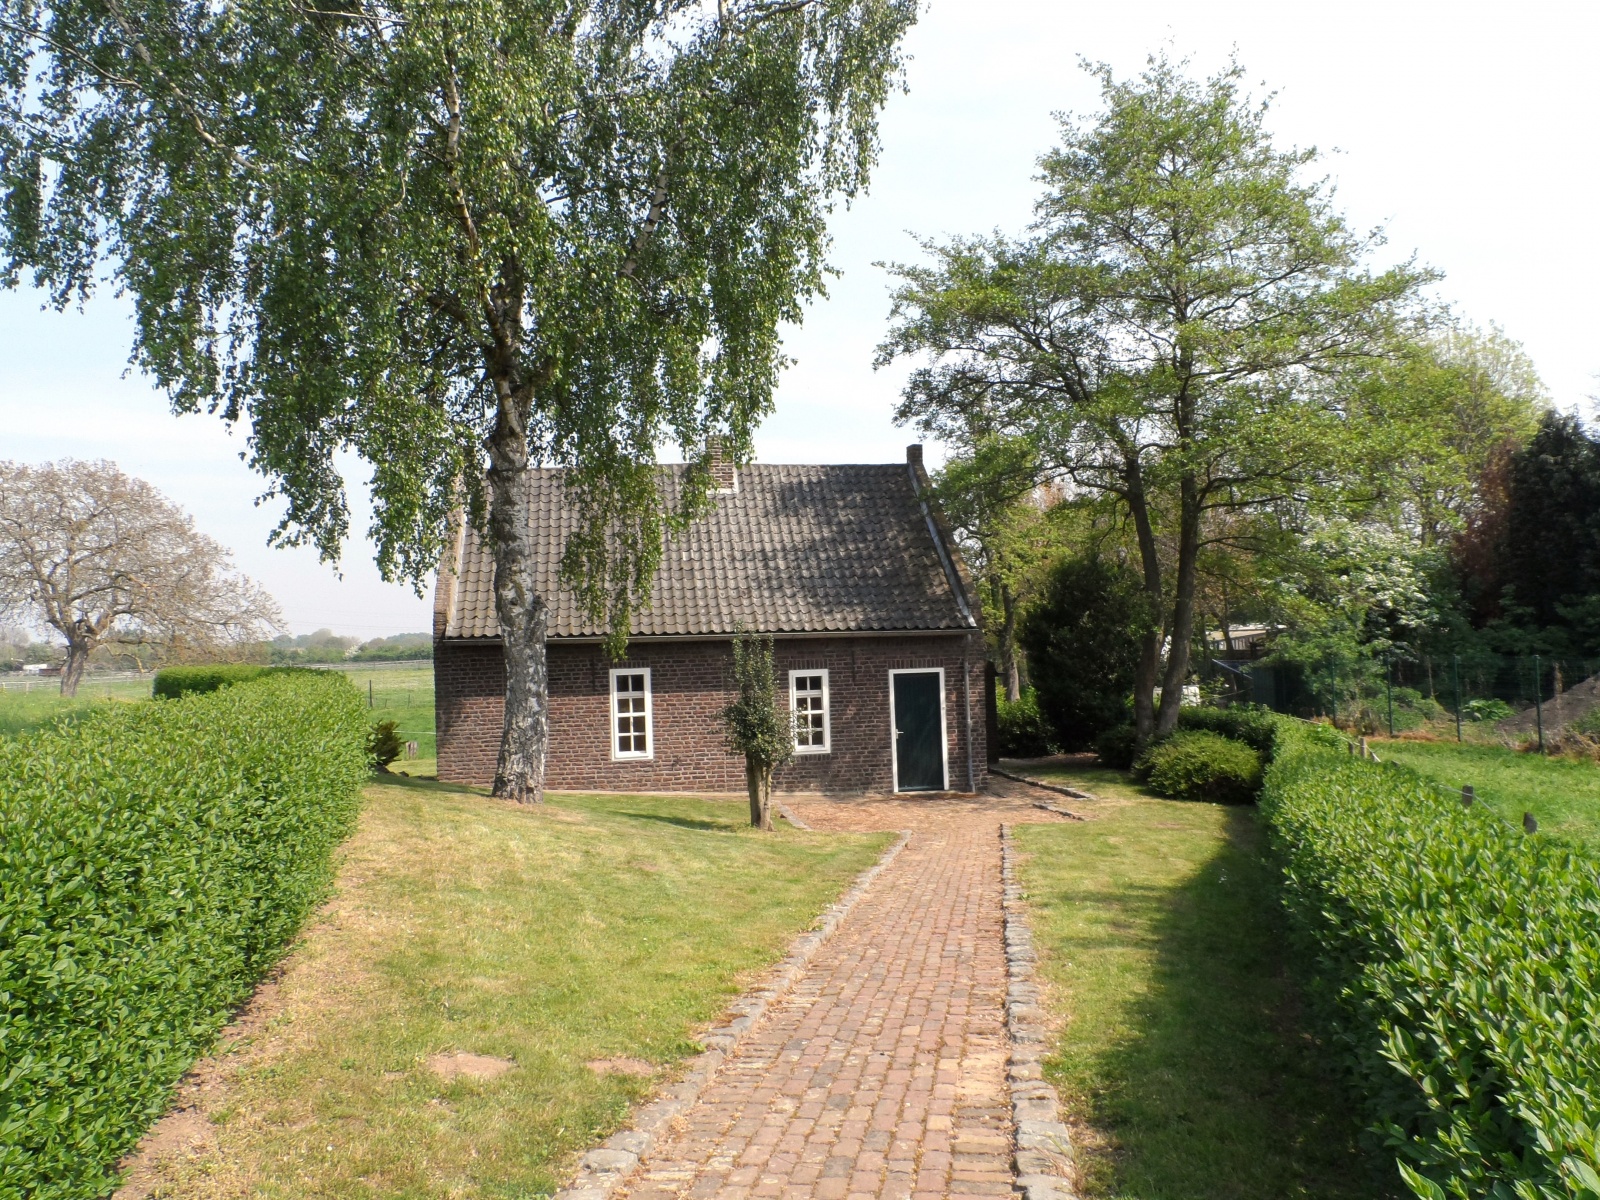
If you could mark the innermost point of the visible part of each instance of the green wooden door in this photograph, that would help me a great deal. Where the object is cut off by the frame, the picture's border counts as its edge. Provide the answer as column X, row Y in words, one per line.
column 919, row 731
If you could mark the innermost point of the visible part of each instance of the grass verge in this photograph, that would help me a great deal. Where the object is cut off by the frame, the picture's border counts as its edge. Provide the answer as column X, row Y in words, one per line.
column 1182, row 1048
column 593, row 928
column 1562, row 793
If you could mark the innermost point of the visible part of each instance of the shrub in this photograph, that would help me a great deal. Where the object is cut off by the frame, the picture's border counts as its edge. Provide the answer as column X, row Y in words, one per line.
column 172, row 682
column 1486, row 710
column 156, row 860
column 383, row 744
column 1202, row 766
column 1251, row 724
column 1454, row 960
column 1082, row 643
column 1024, row 733
column 1117, row 747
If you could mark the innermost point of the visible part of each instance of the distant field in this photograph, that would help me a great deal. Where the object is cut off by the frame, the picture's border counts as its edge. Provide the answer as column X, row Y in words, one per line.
column 1563, row 794
column 27, row 704
column 402, row 693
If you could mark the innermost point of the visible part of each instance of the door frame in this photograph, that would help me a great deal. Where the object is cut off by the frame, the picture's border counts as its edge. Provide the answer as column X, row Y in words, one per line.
column 944, row 730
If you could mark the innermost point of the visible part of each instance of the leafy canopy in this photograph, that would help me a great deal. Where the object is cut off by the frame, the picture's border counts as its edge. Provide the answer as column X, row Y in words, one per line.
column 388, row 226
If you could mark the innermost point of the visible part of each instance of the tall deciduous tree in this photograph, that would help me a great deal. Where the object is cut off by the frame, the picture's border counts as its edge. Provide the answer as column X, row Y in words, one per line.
column 1163, row 333
column 101, row 557
column 460, row 239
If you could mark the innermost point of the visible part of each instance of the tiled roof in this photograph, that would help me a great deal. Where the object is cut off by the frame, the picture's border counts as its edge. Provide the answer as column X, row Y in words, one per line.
column 795, row 549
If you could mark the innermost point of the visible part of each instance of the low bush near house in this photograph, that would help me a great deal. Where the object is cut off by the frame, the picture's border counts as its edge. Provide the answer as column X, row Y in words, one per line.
column 156, row 859
column 1202, row 766
column 1455, row 960
column 1024, row 733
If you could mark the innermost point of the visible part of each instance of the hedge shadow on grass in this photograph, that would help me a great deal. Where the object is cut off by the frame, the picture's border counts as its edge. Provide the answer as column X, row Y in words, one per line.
column 1218, row 1092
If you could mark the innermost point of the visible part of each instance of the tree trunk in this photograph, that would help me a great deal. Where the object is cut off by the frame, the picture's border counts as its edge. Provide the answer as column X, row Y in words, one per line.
column 72, row 671
column 1008, row 645
column 519, row 775
column 1144, row 676
column 758, row 782
column 1181, row 627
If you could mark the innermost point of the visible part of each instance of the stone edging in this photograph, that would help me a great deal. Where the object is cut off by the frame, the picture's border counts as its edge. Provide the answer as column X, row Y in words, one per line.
column 787, row 814
column 1039, row 783
column 606, row 1168
column 1044, row 1145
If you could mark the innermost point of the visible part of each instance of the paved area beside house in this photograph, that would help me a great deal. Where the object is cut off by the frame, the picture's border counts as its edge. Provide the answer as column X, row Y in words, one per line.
column 882, row 1073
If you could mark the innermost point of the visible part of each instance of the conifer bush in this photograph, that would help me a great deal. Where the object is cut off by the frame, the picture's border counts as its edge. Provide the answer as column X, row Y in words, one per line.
column 156, row 860
column 1455, row 960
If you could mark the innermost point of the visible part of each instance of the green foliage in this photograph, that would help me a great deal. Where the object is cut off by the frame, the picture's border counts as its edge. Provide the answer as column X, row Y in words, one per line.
column 1453, row 958
column 1024, row 733
column 1486, row 708
column 1082, row 642
column 1200, row 765
column 577, row 224
column 383, row 744
column 172, row 682
column 156, row 861
column 1164, row 334
column 1118, row 747
column 1251, row 724
column 755, row 724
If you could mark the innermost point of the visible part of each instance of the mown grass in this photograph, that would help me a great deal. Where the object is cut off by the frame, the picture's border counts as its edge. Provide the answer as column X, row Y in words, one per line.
column 1182, row 1049
column 587, row 929
column 1564, row 794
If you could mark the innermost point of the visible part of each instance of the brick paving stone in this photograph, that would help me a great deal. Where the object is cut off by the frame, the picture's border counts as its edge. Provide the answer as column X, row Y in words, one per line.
column 881, row 1074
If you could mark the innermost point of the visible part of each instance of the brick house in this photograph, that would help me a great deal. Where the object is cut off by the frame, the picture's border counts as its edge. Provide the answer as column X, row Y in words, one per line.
column 850, row 568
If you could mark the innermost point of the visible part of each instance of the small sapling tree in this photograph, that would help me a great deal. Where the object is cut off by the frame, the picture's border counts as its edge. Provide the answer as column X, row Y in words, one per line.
column 756, row 725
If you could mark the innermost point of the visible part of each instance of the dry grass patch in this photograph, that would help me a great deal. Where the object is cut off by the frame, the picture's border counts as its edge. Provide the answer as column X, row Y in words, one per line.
column 440, row 1031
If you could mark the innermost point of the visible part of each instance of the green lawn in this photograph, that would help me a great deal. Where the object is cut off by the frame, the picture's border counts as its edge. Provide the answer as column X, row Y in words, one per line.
column 1182, row 1047
column 588, row 929
column 1562, row 793
column 25, row 706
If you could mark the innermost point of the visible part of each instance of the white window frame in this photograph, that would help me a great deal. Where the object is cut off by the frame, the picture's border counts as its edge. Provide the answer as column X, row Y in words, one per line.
column 944, row 725
column 649, row 717
column 827, row 711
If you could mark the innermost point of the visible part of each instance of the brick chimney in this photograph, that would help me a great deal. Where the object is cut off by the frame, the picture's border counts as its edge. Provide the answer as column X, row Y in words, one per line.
column 914, row 456
column 724, row 473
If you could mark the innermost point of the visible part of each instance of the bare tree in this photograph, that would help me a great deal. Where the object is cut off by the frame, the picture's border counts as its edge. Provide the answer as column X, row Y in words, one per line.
column 103, row 558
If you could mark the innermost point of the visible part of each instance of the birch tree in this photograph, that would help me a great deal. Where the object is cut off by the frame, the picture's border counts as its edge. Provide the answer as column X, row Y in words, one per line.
column 461, row 240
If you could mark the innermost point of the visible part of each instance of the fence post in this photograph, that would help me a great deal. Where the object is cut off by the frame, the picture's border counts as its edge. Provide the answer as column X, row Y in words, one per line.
column 1467, row 796
column 1538, row 701
column 1388, row 687
column 1455, row 669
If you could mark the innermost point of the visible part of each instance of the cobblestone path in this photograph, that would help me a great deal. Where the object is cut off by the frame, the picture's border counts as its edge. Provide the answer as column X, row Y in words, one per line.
column 882, row 1073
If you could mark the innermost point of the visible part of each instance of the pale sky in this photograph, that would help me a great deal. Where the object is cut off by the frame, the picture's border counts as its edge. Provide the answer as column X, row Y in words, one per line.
column 1467, row 130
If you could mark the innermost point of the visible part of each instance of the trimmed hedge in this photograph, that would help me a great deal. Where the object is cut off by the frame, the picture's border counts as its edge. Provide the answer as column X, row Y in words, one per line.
column 1456, row 961
column 1255, row 726
column 172, row 682
column 1024, row 733
column 1202, row 766
column 156, row 860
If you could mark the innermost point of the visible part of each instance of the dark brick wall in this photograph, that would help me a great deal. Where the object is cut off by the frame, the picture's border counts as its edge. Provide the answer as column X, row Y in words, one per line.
column 690, row 683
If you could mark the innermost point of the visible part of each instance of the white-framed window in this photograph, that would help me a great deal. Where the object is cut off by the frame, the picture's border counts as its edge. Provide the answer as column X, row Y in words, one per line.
column 632, row 734
column 808, row 702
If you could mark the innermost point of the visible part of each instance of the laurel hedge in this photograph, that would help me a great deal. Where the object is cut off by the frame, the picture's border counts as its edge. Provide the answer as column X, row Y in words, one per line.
column 1456, row 962
column 155, row 860
column 172, row 682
